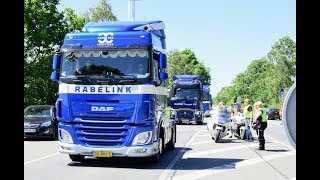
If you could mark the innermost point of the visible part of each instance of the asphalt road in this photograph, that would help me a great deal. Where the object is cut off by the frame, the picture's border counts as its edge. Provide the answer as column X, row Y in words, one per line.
column 196, row 156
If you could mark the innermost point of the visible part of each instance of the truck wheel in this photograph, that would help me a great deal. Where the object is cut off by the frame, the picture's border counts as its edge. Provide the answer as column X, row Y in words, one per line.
column 78, row 158
column 172, row 142
column 156, row 158
column 55, row 134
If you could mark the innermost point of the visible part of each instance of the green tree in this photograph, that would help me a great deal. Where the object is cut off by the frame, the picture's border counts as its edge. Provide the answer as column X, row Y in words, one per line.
column 186, row 63
column 283, row 54
column 101, row 12
column 73, row 20
column 264, row 77
column 44, row 30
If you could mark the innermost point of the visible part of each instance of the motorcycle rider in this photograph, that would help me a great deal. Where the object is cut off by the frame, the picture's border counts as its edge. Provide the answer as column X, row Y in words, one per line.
column 248, row 114
column 234, row 113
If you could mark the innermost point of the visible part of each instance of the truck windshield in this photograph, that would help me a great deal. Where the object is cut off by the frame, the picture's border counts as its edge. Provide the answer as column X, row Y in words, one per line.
column 116, row 63
column 187, row 93
column 206, row 97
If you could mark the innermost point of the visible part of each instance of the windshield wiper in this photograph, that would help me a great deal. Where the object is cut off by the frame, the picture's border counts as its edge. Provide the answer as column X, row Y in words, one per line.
column 189, row 98
column 176, row 98
column 106, row 79
column 82, row 78
column 127, row 79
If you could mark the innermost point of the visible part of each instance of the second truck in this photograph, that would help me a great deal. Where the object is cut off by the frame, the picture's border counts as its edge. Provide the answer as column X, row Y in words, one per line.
column 186, row 103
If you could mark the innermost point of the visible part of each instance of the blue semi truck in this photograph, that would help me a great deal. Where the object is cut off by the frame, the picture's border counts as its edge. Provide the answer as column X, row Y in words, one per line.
column 207, row 100
column 113, row 90
column 186, row 104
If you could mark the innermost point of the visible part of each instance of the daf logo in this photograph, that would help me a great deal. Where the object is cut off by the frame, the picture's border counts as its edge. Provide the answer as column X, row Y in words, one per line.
column 185, row 113
column 101, row 108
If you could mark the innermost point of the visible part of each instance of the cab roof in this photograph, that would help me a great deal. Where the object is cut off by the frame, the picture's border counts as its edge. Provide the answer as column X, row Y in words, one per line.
column 120, row 26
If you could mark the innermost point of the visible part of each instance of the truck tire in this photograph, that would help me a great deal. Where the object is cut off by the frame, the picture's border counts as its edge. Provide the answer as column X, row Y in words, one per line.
column 156, row 158
column 78, row 158
column 172, row 142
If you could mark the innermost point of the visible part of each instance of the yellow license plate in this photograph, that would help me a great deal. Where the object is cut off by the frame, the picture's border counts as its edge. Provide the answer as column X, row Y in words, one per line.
column 102, row 154
column 185, row 120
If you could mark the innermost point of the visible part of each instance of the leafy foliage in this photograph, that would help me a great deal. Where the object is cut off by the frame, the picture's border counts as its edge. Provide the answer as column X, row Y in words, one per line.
column 186, row 63
column 264, row 77
column 44, row 31
column 102, row 12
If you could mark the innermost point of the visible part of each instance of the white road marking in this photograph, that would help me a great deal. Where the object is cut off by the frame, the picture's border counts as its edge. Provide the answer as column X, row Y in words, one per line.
column 41, row 158
column 288, row 146
column 169, row 169
column 203, row 135
column 203, row 142
column 190, row 155
column 227, row 167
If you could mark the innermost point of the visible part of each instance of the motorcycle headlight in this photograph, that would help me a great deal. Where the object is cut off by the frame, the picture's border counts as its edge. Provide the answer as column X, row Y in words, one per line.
column 46, row 124
column 142, row 138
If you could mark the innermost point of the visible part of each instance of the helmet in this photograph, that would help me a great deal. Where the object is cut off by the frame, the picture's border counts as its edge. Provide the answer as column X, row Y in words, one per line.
column 256, row 125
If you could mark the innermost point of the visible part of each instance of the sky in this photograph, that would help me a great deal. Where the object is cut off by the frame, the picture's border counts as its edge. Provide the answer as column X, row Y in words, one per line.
column 226, row 35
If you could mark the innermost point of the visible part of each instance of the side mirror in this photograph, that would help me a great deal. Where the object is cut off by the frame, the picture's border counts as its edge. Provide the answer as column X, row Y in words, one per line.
column 56, row 62
column 163, row 76
column 162, row 61
column 53, row 112
column 54, row 76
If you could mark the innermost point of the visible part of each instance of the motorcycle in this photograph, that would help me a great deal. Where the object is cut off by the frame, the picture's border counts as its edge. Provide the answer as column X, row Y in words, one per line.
column 219, row 125
column 238, row 126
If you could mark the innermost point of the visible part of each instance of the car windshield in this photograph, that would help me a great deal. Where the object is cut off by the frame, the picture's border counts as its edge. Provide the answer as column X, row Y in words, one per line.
column 37, row 111
column 117, row 63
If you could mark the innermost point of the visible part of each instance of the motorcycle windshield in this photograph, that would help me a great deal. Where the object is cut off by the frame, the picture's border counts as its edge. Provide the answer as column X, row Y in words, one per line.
column 223, row 116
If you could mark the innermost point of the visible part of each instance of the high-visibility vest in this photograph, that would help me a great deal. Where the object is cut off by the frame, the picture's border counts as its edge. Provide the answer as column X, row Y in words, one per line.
column 246, row 112
column 263, row 115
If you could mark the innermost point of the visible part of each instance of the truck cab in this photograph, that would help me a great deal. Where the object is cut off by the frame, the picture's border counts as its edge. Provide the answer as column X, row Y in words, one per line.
column 186, row 104
column 112, row 80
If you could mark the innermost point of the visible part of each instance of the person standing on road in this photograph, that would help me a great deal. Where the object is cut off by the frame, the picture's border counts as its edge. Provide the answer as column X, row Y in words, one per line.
column 261, row 117
column 248, row 114
column 280, row 115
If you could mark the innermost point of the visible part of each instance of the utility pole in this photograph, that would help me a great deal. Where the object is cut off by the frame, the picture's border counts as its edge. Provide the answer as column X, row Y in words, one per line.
column 131, row 9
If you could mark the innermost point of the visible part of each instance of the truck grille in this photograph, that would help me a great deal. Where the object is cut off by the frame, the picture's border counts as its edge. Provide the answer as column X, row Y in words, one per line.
column 97, row 132
column 185, row 114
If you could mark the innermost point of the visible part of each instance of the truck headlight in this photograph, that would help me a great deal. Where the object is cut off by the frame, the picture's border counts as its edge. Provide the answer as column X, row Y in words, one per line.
column 65, row 136
column 173, row 113
column 197, row 113
column 46, row 124
column 142, row 138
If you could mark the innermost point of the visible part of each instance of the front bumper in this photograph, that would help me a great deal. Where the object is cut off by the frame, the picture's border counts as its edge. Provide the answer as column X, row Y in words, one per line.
column 132, row 151
column 40, row 132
